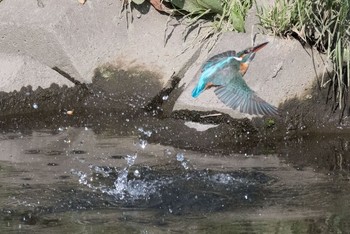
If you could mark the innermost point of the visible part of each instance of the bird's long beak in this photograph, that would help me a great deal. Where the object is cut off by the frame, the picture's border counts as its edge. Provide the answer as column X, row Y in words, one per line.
column 251, row 57
column 259, row 47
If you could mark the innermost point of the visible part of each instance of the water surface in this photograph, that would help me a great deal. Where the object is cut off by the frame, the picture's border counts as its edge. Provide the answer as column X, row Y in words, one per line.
column 89, row 159
column 93, row 179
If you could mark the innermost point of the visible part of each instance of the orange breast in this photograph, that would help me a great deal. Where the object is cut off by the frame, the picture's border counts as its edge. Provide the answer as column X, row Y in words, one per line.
column 243, row 68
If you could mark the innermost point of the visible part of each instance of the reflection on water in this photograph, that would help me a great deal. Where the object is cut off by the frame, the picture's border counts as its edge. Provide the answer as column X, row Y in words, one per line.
column 78, row 179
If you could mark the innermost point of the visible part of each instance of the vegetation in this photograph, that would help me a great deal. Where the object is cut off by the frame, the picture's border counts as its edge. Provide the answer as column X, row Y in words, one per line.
column 324, row 24
column 227, row 15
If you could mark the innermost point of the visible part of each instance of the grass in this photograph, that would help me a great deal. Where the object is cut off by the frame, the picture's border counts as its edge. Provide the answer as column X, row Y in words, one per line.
column 226, row 15
column 324, row 24
column 234, row 14
column 206, row 18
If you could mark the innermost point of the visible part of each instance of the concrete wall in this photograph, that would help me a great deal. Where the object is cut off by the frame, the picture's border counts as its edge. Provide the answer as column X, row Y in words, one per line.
column 78, row 38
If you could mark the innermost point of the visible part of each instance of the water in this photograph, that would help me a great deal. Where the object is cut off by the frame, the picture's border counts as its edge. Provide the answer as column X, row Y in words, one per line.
column 82, row 179
column 97, row 163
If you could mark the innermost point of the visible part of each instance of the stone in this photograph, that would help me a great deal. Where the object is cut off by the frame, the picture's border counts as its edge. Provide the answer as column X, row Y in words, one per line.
column 16, row 69
column 78, row 38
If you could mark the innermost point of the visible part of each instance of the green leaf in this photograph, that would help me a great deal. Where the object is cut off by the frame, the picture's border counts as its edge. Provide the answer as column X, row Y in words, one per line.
column 188, row 5
column 213, row 5
column 237, row 21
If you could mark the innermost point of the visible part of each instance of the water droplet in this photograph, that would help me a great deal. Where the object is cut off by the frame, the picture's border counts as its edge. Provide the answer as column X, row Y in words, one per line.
column 165, row 97
column 167, row 152
column 35, row 106
column 180, row 157
column 147, row 133
column 66, row 141
column 137, row 173
column 246, row 197
column 143, row 144
column 130, row 159
column 184, row 164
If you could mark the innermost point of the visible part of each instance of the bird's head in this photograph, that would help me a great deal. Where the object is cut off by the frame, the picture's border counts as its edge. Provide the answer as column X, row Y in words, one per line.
column 248, row 54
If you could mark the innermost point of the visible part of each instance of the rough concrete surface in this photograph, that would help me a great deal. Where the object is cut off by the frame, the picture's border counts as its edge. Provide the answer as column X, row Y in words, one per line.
column 78, row 38
column 40, row 35
column 15, row 71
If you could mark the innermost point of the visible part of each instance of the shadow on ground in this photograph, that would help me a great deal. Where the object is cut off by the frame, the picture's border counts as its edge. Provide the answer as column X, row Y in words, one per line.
column 114, row 104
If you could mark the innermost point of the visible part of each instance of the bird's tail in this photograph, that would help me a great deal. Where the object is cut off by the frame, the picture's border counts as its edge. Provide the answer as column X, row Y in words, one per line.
column 198, row 89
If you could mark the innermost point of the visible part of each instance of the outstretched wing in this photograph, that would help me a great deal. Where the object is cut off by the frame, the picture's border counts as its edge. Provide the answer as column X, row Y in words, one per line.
column 236, row 93
column 218, row 58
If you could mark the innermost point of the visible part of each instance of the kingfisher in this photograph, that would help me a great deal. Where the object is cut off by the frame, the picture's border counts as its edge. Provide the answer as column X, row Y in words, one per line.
column 225, row 72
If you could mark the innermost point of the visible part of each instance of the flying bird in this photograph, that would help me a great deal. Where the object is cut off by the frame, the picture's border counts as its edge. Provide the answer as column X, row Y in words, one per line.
column 225, row 72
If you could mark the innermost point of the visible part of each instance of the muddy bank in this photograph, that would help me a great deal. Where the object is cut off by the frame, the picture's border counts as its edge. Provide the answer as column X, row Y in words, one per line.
column 93, row 153
column 112, row 89
column 118, row 102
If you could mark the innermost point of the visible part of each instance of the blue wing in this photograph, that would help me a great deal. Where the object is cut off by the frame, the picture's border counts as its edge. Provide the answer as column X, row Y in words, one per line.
column 210, row 68
column 218, row 58
column 236, row 93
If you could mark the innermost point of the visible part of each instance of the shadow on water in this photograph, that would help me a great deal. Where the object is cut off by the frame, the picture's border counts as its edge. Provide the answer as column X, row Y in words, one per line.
column 90, row 159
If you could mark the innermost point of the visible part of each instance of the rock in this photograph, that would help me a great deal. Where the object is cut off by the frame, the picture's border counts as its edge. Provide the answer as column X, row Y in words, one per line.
column 16, row 69
column 199, row 126
column 78, row 38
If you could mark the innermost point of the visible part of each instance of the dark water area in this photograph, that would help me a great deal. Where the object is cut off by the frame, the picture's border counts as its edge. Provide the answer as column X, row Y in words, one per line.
column 93, row 178
column 89, row 161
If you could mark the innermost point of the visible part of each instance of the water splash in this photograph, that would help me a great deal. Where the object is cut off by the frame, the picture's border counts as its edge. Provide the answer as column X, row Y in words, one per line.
column 143, row 144
column 128, row 185
column 130, row 160
column 145, row 132
column 121, row 184
column 83, row 178
column 137, row 185
column 181, row 158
